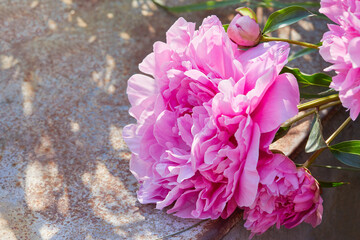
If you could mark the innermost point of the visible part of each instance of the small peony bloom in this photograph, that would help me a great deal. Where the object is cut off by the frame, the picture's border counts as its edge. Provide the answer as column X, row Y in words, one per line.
column 341, row 47
column 287, row 196
column 202, row 117
column 244, row 31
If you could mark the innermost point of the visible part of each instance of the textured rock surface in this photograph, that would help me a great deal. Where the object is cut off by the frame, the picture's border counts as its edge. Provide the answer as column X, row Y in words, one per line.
column 64, row 172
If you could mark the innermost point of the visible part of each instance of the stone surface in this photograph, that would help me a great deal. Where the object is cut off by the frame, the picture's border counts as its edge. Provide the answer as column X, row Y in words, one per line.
column 64, row 66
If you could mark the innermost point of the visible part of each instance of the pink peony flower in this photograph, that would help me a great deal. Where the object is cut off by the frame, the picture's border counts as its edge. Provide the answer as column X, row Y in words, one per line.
column 244, row 31
column 341, row 47
column 287, row 196
column 202, row 118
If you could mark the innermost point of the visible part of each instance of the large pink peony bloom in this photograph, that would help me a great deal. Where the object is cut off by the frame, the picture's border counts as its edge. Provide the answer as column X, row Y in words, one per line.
column 287, row 196
column 202, row 118
column 341, row 47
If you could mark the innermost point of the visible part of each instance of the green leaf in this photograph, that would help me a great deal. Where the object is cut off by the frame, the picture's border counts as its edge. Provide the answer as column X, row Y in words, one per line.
column 301, row 53
column 285, row 17
column 281, row 132
column 226, row 26
column 316, row 140
column 347, row 152
column 331, row 184
column 311, row 86
column 209, row 5
column 322, row 16
column 277, row 4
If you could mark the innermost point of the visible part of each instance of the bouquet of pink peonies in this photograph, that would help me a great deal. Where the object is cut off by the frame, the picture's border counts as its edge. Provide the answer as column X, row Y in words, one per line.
column 212, row 100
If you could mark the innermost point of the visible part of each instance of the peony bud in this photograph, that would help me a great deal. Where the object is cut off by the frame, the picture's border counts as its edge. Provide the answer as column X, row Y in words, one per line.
column 244, row 31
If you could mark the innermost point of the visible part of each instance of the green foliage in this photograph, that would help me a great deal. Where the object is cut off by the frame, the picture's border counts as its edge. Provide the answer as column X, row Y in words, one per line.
column 278, row 4
column 208, row 5
column 285, row 17
column 316, row 140
column 226, row 26
column 311, row 86
column 301, row 53
column 331, row 184
column 347, row 152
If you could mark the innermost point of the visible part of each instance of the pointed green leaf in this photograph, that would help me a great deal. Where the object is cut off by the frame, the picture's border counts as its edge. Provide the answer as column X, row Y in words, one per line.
column 301, row 53
column 226, row 26
column 311, row 86
column 285, row 17
column 208, row 5
column 347, row 152
column 331, row 184
column 316, row 140
column 277, row 4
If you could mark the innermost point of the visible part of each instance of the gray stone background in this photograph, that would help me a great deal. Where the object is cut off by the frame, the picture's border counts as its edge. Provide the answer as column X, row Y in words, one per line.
column 64, row 66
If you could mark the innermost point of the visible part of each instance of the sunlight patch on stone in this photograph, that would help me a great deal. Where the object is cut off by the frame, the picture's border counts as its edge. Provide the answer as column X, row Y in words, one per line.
column 116, row 139
column 47, row 231
column 5, row 231
column 28, row 94
column 75, row 127
column 34, row 4
column 7, row 62
column 109, row 197
column 81, row 23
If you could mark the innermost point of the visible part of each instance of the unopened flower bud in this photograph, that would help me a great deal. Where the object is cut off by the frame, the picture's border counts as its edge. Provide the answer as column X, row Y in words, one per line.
column 244, row 31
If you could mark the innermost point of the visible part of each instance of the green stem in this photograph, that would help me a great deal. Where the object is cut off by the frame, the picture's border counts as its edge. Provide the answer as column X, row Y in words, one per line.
column 342, row 126
column 328, row 141
column 298, row 118
column 304, row 44
column 313, row 157
column 318, row 102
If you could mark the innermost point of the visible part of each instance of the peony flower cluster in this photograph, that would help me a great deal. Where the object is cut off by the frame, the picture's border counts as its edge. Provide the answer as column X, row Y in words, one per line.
column 286, row 196
column 205, row 111
column 341, row 47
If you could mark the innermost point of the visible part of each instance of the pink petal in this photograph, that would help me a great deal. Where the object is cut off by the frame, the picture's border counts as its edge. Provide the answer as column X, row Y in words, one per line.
column 354, row 52
column 279, row 103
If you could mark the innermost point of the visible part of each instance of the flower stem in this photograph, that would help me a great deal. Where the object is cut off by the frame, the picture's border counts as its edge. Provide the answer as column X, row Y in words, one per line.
column 313, row 157
column 304, row 44
column 342, row 126
column 299, row 117
column 318, row 102
column 328, row 141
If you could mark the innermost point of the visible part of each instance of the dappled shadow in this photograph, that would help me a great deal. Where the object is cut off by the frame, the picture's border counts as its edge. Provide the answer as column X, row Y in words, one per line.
column 64, row 166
